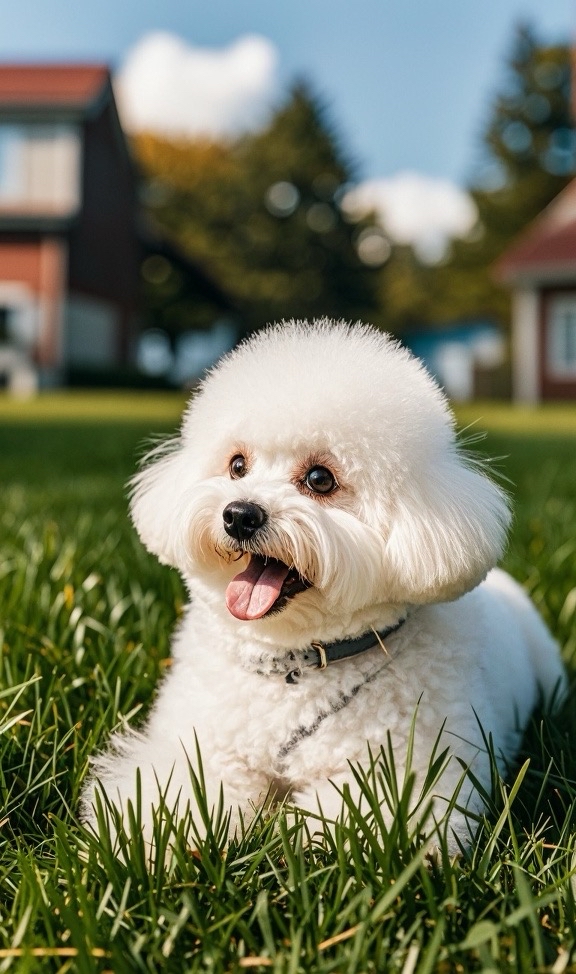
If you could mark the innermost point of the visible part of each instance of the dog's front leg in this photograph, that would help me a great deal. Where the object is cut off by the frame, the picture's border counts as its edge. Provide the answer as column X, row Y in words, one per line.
column 147, row 783
column 324, row 798
column 451, row 806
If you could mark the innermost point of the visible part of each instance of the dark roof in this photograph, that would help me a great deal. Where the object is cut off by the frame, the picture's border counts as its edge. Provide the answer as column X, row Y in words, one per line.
column 546, row 250
column 34, row 87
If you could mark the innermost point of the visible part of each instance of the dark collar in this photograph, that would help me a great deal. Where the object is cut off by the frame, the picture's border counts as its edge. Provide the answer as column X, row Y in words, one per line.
column 320, row 656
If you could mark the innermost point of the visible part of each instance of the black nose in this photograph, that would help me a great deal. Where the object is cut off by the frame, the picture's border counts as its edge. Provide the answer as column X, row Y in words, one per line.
column 242, row 519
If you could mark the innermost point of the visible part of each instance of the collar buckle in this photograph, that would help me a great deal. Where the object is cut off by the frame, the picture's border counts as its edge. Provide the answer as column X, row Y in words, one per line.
column 319, row 656
column 321, row 650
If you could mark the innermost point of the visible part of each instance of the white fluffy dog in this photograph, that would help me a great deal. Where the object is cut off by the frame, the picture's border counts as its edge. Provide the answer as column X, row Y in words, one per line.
column 335, row 543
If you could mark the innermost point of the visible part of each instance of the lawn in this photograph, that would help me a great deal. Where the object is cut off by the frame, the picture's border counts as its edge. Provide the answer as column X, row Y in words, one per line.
column 85, row 617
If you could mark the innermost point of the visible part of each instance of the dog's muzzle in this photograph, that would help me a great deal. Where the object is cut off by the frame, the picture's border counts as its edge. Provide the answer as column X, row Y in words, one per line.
column 266, row 584
column 242, row 519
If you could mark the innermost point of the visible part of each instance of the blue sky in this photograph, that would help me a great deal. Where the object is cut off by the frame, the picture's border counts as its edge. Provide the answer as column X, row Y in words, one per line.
column 409, row 83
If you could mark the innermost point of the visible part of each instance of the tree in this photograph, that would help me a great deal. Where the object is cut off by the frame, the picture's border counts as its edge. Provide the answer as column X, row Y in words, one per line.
column 183, row 192
column 527, row 157
column 529, row 140
column 262, row 215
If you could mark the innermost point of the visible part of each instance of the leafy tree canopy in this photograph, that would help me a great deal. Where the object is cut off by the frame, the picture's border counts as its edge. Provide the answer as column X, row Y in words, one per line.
column 262, row 215
column 527, row 157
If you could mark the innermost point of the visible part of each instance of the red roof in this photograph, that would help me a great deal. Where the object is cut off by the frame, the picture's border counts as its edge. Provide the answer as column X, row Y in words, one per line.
column 546, row 250
column 51, row 85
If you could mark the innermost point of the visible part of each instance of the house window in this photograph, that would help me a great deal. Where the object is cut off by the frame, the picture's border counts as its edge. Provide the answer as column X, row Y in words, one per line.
column 562, row 338
column 18, row 317
column 39, row 168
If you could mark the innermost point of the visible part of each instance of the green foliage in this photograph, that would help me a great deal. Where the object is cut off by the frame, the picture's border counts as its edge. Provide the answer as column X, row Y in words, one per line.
column 85, row 618
column 529, row 141
column 528, row 154
column 261, row 215
column 279, row 257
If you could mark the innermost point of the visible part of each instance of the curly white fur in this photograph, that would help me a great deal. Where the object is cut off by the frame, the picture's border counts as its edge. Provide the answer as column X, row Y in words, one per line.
column 413, row 526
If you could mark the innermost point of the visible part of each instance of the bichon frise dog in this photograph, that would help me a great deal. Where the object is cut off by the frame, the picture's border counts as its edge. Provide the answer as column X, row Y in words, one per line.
column 337, row 547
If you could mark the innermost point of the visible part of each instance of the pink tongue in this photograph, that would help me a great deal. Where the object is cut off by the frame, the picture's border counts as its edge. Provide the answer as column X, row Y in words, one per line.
column 254, row 591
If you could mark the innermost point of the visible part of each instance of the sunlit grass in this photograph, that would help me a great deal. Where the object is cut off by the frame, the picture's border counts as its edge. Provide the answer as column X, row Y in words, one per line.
column 85, row 619
column 103, row 406
column 552, row 419
column 151, row 405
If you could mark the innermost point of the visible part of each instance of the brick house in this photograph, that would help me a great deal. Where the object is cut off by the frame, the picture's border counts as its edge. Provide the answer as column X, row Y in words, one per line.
column 69, row 249
column 540, row 269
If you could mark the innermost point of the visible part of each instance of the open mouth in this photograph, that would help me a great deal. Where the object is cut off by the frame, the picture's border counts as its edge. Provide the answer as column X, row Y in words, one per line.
column 265, row 586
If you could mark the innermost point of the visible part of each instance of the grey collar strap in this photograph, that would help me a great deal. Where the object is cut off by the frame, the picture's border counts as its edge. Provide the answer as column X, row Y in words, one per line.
column 319, row 656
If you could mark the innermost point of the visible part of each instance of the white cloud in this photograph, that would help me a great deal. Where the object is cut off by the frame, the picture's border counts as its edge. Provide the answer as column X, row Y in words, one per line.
column 173, row 88
column 415, row 209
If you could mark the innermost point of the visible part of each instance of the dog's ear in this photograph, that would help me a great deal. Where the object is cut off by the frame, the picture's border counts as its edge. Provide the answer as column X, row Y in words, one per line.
column 449, row 528
column 157, row 495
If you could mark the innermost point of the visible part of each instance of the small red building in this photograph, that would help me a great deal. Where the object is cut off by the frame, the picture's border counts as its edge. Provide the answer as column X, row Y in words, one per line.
column 69, row 249
column 540, row 268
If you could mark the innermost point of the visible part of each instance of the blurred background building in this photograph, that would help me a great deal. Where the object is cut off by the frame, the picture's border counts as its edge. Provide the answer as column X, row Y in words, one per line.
column 68, row 244
column 132, row 255
column 540, row 269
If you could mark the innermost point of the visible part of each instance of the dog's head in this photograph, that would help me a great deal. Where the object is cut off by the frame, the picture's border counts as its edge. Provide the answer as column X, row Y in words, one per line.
column 317, row 474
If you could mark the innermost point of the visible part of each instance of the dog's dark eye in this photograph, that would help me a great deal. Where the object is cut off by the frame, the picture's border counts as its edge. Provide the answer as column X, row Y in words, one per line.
column 320, row 480
column 237, row 466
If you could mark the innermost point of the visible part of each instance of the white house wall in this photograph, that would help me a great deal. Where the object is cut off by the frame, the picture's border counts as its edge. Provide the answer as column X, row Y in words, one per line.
column 525, row 346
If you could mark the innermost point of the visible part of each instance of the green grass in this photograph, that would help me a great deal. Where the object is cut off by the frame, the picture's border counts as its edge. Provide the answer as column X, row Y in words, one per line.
column 85, row 618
